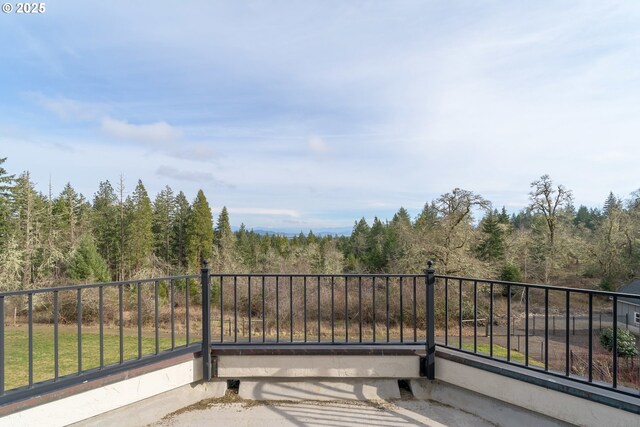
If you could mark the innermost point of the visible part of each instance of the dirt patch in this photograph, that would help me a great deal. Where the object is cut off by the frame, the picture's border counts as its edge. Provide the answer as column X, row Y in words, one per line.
column 231, row 397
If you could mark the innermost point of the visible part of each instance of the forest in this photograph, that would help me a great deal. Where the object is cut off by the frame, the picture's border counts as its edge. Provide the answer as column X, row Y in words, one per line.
column 122, row 233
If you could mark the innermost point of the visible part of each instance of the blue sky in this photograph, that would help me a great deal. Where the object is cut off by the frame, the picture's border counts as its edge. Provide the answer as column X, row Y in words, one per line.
column 313, row 114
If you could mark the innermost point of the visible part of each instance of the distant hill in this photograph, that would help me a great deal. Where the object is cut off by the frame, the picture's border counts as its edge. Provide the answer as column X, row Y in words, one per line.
column 336, row 231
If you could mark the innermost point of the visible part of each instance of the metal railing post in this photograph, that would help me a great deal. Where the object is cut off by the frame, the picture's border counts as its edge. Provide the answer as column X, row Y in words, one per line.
column 430, row 281
column 206, row 322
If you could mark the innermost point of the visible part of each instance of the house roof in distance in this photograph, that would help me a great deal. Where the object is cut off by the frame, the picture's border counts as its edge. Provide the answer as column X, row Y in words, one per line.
column 631, row 288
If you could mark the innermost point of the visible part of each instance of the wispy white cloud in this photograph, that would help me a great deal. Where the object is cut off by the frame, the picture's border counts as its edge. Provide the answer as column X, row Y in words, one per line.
column 318, row 146
column 159, row 132
column 68, row 109
column 193, row 176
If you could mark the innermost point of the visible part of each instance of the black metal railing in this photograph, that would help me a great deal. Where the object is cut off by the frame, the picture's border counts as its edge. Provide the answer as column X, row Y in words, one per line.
column 497, row 320
column 320, row 309
column 67, row 335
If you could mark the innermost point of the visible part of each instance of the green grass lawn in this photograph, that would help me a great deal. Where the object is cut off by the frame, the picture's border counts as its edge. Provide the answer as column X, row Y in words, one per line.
column 501, row 352
column 17, row 356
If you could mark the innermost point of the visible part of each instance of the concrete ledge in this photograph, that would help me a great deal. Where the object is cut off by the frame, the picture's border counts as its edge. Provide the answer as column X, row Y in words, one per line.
column 535, row 398
column 283, row 389
column 88, row 404
column 153, row 409
column 237, row 367
column 493, row 410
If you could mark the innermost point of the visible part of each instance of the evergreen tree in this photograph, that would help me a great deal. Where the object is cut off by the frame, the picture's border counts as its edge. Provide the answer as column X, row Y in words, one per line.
column 87, row 264
column 492, row 245
column 376, row 254
column 503, row 217
column 28, row 209
column 402, row 218
column 139, row 242
column 587, row 218
column 612, row 205
column 199, row 232
column 399, row 242
column 164, row 208
column 246, row 248
column 104, row 221
column 6, row 193
column 355, row 248
column 180, row 228
column 225, row 243
column 67, row 210
column 428, row 218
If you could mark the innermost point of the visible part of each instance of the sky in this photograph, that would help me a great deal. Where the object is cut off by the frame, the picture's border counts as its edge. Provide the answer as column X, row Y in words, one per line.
column 298, row 115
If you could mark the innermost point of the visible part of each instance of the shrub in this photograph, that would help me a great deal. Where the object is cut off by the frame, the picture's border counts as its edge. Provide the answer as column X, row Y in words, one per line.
column 626, row 342
column 606, row 284
column 87, row 264
column 510, row 273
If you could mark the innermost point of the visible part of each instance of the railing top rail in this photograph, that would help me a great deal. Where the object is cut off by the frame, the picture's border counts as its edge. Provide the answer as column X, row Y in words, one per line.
column 541, row 286
column 94, row 285
column 213, row 274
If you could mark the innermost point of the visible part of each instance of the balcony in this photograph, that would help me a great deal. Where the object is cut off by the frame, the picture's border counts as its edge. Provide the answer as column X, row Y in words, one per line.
column 430, row 348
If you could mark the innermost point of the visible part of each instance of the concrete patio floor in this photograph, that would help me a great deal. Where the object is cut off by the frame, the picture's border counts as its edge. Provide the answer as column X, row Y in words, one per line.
column 232, row 410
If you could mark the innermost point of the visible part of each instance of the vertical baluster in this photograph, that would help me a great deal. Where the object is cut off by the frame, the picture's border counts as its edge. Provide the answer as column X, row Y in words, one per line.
column 386, row 285
column 291, row 308
column 460, row 314
column 277, row 310
column 590, row 337
column 173, row 315
column 318, row 308
column 139, row 320
column 333, row 312
column 264, row 314
column 508, row 322
column 187, row 310
column 491, row 319
column 79, row 319
column 446, row 311
column 249, row 309
column 221, row 309
column 415, row 313
column 546, row 329
column 373, row 289
column 120, row 318
column 475, row 316
column 359, row 308
column 56, row 348
column 346, row 309
column 566, row 333
column 614, row 351
column 235, row 308
column 101, row 320
column 526, row 326
column 401, row 312
column 30, row 320
column 155, row 316
column 305, row 306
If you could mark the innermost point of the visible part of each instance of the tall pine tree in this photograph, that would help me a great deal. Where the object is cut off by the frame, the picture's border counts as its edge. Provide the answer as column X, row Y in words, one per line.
column 164, row 208
column 139, row 241
column 199, row 232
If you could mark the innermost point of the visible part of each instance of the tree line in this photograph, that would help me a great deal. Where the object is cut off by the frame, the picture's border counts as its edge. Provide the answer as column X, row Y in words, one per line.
column 121, row 234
